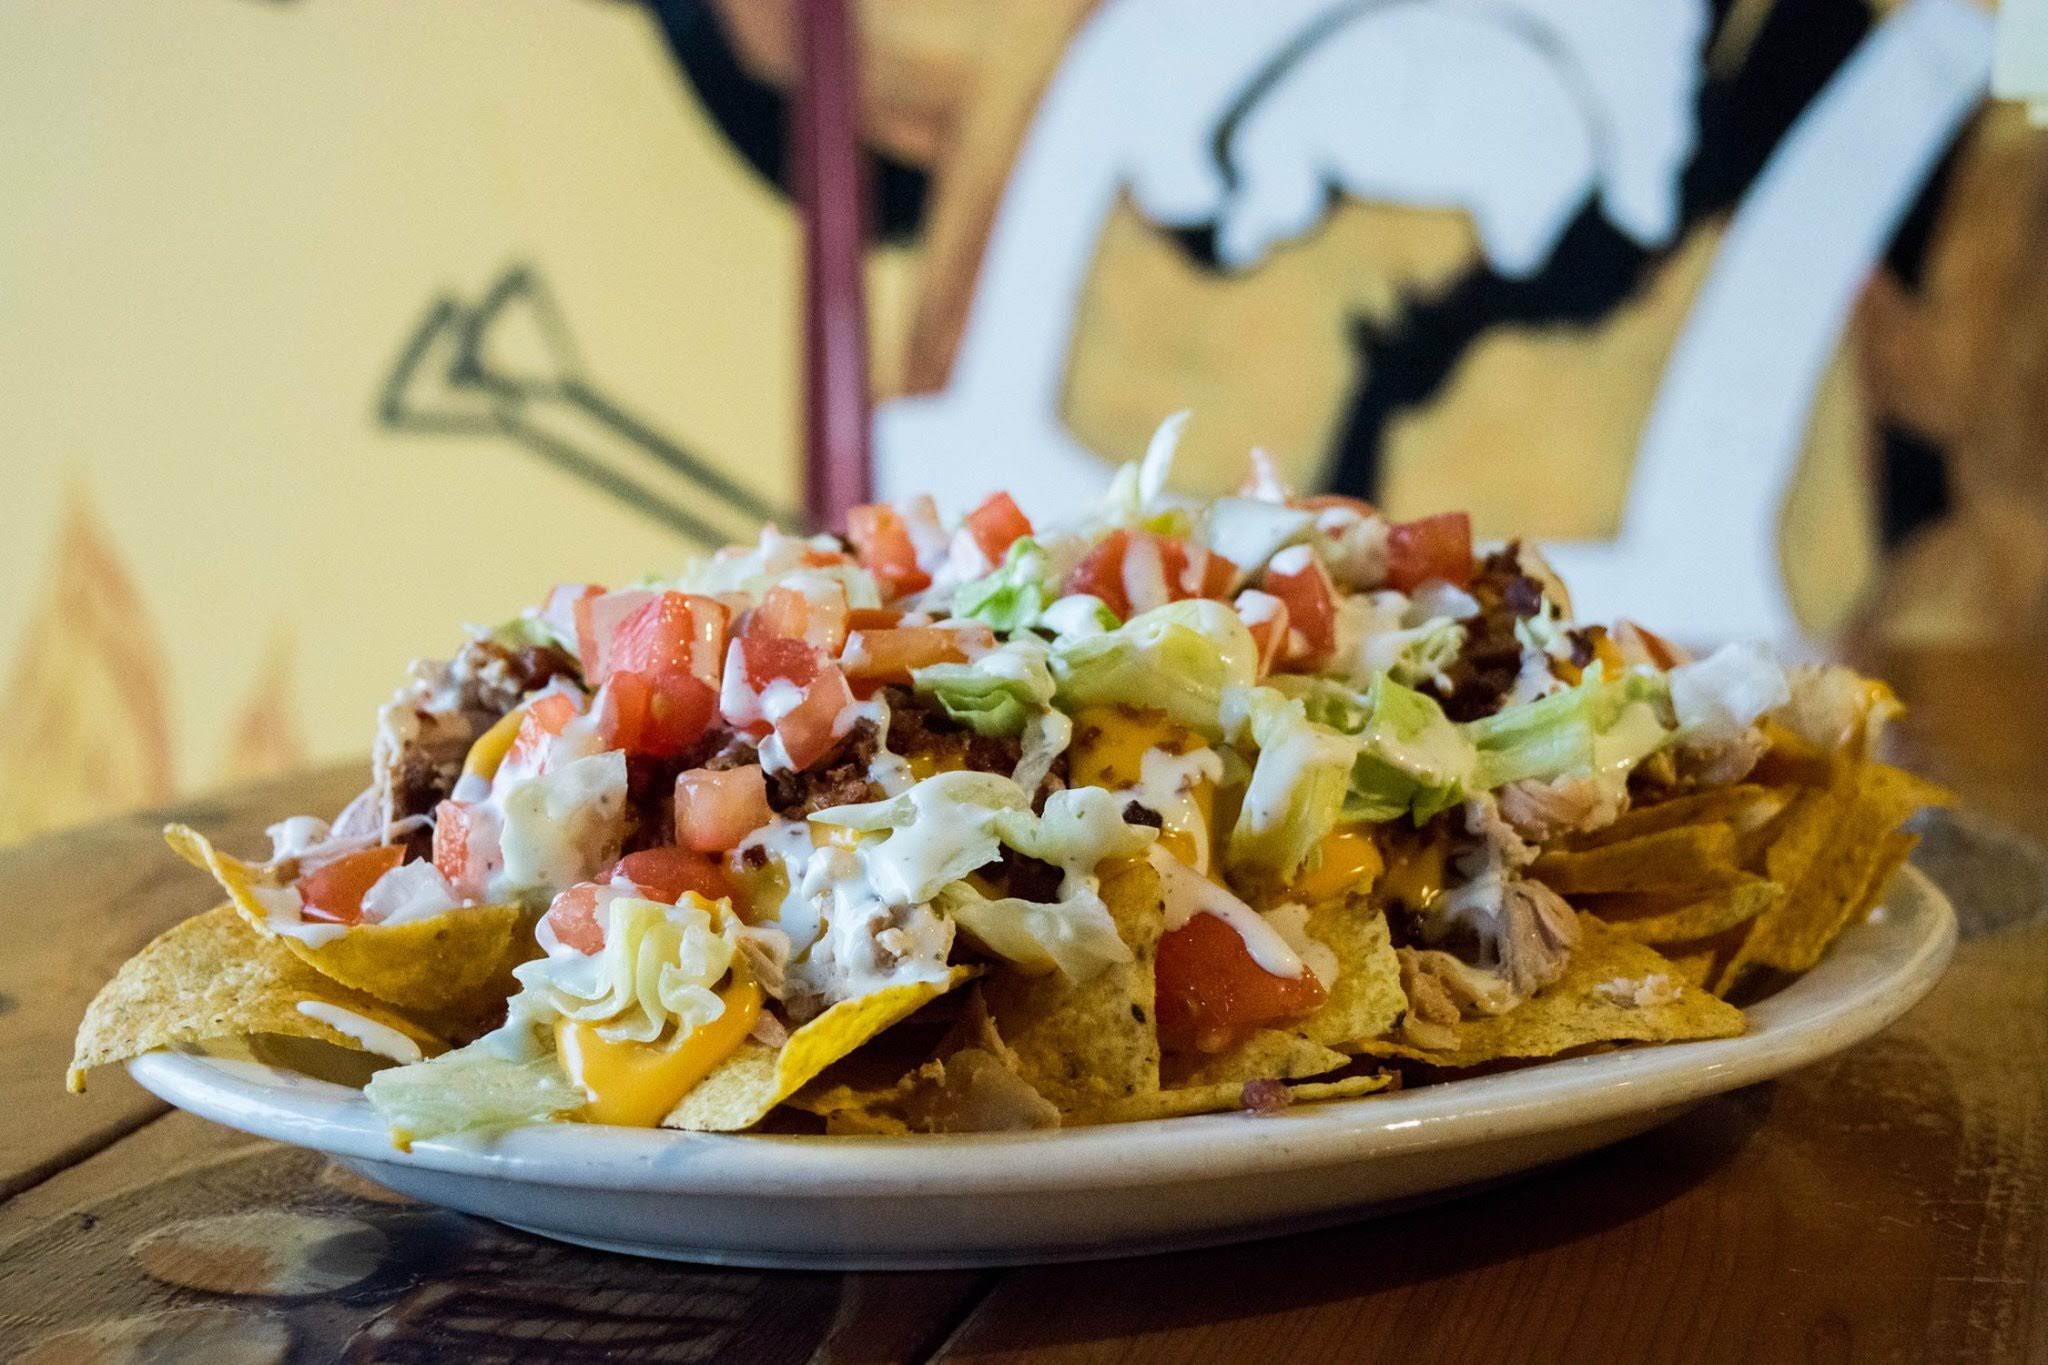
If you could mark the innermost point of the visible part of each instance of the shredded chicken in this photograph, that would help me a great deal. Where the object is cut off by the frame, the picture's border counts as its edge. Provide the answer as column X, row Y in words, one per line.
column 1541, row 811
column 1493, row 939
column 425, row 730
column 1692, row 764
column 1442, row 990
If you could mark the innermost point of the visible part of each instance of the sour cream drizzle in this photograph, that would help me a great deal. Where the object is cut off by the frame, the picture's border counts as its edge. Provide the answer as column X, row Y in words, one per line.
column 381, row 1039
column 1185, row 893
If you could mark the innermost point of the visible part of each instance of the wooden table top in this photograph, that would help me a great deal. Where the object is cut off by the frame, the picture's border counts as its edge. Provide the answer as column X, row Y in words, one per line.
column 1885, row 1205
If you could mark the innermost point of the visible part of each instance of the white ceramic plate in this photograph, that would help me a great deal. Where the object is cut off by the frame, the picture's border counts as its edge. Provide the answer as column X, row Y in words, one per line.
column 1003, row 1199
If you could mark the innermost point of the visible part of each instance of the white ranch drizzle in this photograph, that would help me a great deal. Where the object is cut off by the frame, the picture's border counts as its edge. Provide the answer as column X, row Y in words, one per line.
column 381, row 1039
column 1185, row 893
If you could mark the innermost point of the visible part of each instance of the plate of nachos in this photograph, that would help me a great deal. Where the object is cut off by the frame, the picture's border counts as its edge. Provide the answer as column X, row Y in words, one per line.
column 948, row 891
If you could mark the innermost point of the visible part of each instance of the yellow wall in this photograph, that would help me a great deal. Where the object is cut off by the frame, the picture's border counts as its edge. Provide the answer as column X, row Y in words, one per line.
column 222, row 220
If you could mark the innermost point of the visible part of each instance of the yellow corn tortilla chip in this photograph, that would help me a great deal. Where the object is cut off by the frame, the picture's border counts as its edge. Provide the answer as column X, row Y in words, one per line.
column 1089, row 1043
column 756, row 1078
column 1589, row 1004
column 1220, row 1096
column 1688, row 857
column 1745, row 806
column 1837, row 851
column 1268, row 1055
column 213, row 978
column 1657, row 920
column 454, row 969
column 970, row 1085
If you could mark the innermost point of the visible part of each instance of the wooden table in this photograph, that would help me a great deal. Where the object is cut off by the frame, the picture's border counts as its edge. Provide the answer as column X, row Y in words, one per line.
column 1887, row 1205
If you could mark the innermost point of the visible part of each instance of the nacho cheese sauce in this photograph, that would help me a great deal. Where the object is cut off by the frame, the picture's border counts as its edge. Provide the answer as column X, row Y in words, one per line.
column 381, row 1039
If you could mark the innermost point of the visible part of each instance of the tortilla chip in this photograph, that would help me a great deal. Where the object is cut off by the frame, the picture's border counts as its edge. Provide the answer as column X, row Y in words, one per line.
column 756, row 1078
column 1835, row 855
column 1658, row 920
column 1745, row 806
column 1586, row 1005
column 1220, row 1096
column 1271, row 1054
column 1687, row 857
column 1086, row 1044
column 213, row 978
column 971, row 1084
column 454, row 968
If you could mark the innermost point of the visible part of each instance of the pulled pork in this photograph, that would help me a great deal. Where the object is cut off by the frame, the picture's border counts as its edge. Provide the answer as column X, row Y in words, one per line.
column 1490, row 941
column 1541, row 811
column 425, row 730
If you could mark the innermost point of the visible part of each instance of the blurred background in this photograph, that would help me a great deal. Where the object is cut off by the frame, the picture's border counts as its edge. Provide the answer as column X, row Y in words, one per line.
column 329, row 325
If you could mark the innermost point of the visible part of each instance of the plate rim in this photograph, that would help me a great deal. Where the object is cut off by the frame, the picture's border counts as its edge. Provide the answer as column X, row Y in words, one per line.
column 1871, row 976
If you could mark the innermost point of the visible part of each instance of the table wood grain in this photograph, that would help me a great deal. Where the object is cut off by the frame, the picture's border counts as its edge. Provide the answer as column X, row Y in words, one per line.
column 1886, row 1205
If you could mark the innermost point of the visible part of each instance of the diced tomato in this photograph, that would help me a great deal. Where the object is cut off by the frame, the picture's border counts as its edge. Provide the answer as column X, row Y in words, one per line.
column 333, row 892
column 671, row 635
column 816, row 614
column 873, row 618
column 1134, row 571
column 810, row 730
column 769, row 658
column 716, row 810
column 882, row 539
column 1212, row 991
column 1299, row 580
column 572, row 915
column 996, row 524
column 598, row 618
column 657, row 716
column 1100, row 573
column 1268, row 626
column 667, row 874
column 451, row 846
column 545, row 716
column 1434, row 547
column 873, row 658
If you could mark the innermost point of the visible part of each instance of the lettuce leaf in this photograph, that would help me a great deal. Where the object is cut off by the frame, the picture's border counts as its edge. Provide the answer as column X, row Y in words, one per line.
column 1600, row 727
column 474, row 1089
column 997, row 693
column 1297, row 787
column 1178, row 658
column 1015, row 595
column 1412, row 758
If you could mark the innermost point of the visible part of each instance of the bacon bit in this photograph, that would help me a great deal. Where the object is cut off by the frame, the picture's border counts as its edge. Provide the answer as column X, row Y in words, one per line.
column 1265, row 1097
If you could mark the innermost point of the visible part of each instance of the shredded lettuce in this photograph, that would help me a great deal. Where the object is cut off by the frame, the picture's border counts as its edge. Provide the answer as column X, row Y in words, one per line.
column 936, row 832
column 475, row 1089
column 1178, row 658
column 528, row 630
column 995, row 695
column 1074, row 935
column 1297, row 787
column 1412, row 758
column 1015, row 595
column 1600, row 726
column 1077, row 614
column 1079, row 827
